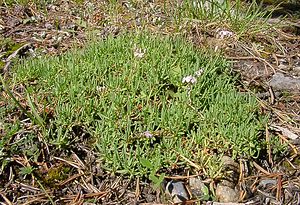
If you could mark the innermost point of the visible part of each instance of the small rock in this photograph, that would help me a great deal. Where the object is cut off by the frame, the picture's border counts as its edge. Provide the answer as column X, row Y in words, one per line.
column 230, row 163
column 226, row 194
column 230, row 171
column 296, row 70
column 280, row 82
column 177, row 191
column 265, row 183
column 197, row 186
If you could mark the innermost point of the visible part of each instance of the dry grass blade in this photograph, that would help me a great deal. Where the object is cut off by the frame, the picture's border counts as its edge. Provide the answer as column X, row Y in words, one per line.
column 73, row 164
column 47, row 193
column 90, row 195
column 36, row 200
column 241, row 181
column 78, row 160
column 98, row 194
column 26, row 187
column 13, row 55
column 269, row 145
column 90, row 187
column 285, row 132
column 137, row 189
column 279, row 188
column 5, row 198
column 285, row 35
column 261, row 169
column 272, row 100
column 78, row 199
column 125, row 188
column 63, row 183
column 253, row 56
column 282, row 116
column 290, row 144
column 189, row 161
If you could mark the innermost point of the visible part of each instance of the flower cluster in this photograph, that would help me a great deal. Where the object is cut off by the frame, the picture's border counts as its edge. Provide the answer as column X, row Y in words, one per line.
column 148, row 134
column 224, row 34
column 192, row 79
column 138, row 52
column 189, row 79
column 101, row 89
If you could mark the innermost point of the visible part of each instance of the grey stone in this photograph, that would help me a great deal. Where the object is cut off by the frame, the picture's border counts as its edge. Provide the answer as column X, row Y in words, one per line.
column 230, row 171
column 226, row 194
column 296, row 70
column 197, row 186
column 177, row 191
column 229, row 162
column 267, row 183
column 279, row 82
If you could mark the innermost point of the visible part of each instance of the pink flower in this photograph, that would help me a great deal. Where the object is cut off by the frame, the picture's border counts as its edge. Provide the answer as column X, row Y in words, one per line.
column 148, row 134
column 224, row 34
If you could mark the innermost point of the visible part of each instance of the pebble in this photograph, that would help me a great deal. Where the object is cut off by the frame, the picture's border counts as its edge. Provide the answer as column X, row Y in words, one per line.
column 177, row 191
column 197, row 186
column 281, row 82
column 267, row 183
column 230, row 163
column 226, row 194
column 230, row 171
column 296, row 70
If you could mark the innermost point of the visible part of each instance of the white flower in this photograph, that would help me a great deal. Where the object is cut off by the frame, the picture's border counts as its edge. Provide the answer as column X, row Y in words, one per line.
column 224, row 34
column 138, row 52
column 199, row 72
column 189, row 79
column 101, row 89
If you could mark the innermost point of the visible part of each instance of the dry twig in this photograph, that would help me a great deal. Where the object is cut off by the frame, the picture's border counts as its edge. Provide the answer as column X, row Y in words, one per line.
column 13, row 55
column 269, row 145
column 290, row 144
column 63, row 183
column 5, row 198
column 261, row 169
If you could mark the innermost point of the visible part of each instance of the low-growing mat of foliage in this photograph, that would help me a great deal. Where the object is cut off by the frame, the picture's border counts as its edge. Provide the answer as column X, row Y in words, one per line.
column 145, row 102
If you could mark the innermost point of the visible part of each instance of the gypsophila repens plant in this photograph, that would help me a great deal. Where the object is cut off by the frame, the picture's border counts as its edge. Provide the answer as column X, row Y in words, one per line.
column 147, row 102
